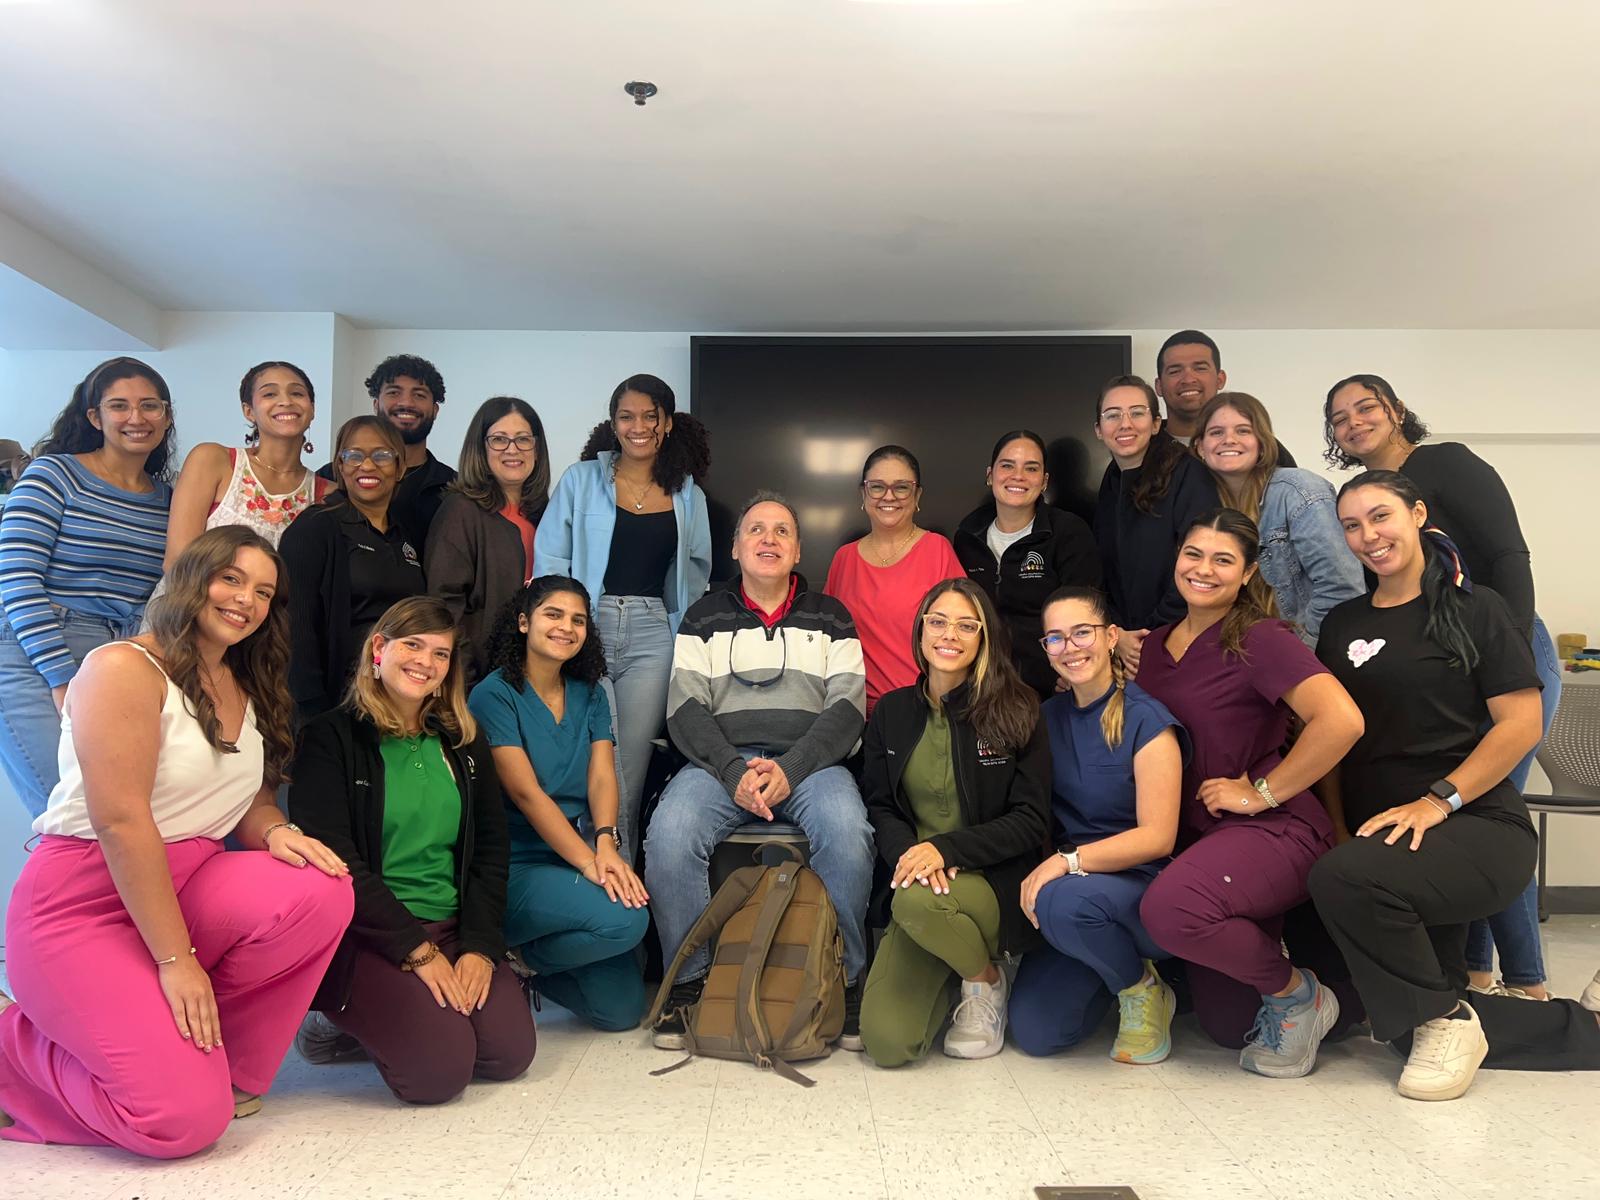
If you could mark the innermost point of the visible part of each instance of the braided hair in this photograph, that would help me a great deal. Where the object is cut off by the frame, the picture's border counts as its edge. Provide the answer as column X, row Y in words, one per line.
column 1112, row 715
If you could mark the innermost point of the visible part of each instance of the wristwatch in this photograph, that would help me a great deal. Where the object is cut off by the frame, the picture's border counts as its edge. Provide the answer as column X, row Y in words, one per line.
column 1070, row 857
column 1447, row 791
column 609, row 831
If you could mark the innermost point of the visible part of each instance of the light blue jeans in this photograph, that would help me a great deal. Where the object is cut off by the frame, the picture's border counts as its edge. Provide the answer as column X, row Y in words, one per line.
column 638, row 642
column 1515, row 932
column 30, row 727
column 696, row 814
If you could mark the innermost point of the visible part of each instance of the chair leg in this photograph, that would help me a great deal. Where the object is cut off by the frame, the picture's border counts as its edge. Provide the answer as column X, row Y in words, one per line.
column 1544, row 913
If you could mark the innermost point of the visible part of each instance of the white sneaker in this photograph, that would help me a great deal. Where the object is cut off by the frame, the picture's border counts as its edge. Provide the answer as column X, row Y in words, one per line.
column 1445, row 1056
column 978, row 1025
column 1591, row 994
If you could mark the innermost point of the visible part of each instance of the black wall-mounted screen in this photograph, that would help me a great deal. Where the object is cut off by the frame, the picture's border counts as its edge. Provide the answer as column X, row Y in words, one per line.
column 800, row 414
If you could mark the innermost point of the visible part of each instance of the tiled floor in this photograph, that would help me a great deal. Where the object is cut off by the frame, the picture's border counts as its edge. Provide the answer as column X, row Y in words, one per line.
column 589, row 1121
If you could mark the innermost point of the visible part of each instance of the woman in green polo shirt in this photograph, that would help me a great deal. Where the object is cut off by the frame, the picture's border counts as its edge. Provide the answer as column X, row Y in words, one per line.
column 575, row 911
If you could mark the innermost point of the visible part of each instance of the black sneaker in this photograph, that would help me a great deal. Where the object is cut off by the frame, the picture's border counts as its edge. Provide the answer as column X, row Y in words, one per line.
column 850, row 1035
column 320, row 1042
column 671, row 1030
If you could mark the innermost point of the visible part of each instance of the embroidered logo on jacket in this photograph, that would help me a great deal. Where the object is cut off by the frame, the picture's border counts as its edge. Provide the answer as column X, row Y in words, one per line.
column 1361, row 650
column 1032, row 566
column 988, row 756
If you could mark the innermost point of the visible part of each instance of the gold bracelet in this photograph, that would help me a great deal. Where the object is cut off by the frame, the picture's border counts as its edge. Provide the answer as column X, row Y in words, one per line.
column 422, row 960
column 167, row 962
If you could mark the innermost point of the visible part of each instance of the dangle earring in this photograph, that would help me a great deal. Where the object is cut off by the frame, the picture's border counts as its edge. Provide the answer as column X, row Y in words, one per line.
column 307, row 447
column 252, row 435
column 375, row 661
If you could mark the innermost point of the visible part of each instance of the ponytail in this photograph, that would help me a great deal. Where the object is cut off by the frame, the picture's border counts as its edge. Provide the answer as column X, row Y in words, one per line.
column 1445, row 586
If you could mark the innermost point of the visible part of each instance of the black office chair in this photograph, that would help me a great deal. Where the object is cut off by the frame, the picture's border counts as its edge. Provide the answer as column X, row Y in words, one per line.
column 1570, row 756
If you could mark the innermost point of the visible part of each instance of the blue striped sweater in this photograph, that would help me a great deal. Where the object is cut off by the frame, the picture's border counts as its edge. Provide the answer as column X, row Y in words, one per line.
column 69, row 538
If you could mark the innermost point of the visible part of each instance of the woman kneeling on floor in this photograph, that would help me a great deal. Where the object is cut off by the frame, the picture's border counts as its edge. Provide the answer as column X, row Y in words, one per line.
column 575, row 909
column 399, row 782
column 134, row 939
column 1116, row 763
column 956, row 776
column 1441, row 837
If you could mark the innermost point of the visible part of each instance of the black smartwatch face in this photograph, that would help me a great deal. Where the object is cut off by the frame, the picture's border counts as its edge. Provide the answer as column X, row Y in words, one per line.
column 1443, row 789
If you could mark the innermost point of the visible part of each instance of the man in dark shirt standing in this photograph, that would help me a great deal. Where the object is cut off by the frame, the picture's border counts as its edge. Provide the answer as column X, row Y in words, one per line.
column 407, row 391
column 1188, row 374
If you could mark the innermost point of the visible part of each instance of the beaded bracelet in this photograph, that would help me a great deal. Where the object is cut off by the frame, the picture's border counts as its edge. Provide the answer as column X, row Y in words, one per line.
column 411, row 964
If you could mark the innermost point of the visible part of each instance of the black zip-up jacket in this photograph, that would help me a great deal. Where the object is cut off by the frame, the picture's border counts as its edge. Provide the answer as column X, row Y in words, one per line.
column 1058, row 552
column 1139, row 550
column 1005, row 801
column 337, row 797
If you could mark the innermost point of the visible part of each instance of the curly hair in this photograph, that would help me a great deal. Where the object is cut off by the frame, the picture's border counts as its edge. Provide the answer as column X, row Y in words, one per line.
column 259, row 662
column 475, row 480
column 1407, row 422
column 1002, row 709
column 1255, row 602
column 508, row 644
column 74, row 433
column 409, row 365
column 685, row 452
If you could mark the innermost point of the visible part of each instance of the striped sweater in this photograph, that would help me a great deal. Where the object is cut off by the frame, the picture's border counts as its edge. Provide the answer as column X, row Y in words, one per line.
column 797, row 692
column 70, row 539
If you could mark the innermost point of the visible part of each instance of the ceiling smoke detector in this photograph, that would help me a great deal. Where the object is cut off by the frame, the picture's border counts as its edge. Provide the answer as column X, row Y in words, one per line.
column 640, row 91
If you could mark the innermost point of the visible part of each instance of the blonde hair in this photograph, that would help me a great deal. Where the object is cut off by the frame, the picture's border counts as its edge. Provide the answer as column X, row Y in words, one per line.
column 1255, row 487
column 1111, row 716
column 446, row 707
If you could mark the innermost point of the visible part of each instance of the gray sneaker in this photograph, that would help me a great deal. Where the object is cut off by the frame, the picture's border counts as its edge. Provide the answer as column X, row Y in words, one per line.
column 1283, row 1042
column 320, row 1042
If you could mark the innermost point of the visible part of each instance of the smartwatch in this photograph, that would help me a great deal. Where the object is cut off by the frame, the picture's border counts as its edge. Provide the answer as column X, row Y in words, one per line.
column 609, row 831
column 1446, row 791
column 1070, row 857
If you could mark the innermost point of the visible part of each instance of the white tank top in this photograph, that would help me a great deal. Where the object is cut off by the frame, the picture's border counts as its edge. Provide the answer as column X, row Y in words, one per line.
column 245, row 502
column 199, row 791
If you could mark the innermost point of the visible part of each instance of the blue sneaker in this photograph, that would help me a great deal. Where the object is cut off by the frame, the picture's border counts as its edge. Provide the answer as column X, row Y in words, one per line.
column 1283, row 1042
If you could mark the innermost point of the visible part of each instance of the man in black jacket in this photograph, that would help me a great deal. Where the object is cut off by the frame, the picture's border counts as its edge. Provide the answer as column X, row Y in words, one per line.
column 1188, row 374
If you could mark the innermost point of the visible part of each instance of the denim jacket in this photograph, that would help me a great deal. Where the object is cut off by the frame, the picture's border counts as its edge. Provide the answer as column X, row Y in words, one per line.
column 574, row 535
column 1304, row 558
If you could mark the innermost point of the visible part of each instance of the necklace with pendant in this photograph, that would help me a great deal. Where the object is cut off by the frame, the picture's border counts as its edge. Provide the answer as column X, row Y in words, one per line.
column 639, row 493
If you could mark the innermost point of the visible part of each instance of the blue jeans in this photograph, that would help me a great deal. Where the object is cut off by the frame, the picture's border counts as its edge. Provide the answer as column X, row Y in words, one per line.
column 696, row 814
column 638, row 642
column 30, row 727
column 1516, row 930
column 1095, row 948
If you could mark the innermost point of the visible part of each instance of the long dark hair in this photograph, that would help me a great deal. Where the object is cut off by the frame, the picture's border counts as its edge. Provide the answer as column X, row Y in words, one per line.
column 1001, row 708
column 475, row 480
column 684, row 453
column 74, row 433
column 1445, row 597
column 508, row 645
column 1407, row 422
column 1254, row 603
column 1161, row 456
column 260, row 662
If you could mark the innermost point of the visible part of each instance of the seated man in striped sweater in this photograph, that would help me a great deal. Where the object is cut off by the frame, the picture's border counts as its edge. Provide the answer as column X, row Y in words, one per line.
column 767, row 699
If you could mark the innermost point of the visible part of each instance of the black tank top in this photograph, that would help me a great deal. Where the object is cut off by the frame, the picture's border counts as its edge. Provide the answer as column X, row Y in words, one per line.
column 643, row 546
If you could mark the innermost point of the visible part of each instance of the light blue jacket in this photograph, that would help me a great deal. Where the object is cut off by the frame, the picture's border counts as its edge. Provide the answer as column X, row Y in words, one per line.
column 574, row 536
column 1304, row 558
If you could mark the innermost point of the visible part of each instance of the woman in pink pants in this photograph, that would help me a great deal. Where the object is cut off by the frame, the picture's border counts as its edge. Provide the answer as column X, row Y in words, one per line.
column 135, row 943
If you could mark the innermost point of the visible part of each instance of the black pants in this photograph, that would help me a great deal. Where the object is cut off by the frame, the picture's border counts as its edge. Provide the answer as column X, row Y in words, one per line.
column 1400, row 918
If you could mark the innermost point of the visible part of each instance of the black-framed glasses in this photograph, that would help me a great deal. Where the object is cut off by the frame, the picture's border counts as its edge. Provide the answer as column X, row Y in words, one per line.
column 878, row 489
column 766, row 640
column 153, row 410
column 1081, row 636
column 499, row 441
column 379, row 458
column 966, row 628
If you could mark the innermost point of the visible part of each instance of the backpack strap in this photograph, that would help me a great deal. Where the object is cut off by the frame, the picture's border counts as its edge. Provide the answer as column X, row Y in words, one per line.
column 729, row 899
column 750, row 1021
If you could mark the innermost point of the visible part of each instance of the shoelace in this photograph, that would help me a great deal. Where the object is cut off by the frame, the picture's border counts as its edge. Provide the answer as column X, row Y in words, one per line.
column 975, row 1013
column 1428, row 1044
column 1134, row 1006
column 1267, row 1031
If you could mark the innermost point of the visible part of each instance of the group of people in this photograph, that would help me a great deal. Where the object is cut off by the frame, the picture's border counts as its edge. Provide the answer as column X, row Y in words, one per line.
column 290, row 737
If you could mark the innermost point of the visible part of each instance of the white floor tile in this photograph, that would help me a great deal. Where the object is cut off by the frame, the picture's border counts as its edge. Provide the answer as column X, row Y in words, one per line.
column 456, row 1166
column 601, row 1163
column 998, row 1165
column 971, row 1095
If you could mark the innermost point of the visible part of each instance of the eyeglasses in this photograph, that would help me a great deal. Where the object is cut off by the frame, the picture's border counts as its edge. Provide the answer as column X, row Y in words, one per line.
column 1081, row 636
column 379, row 458
column 758, row 678
column 153, row 409
column 878, row 489
column 499, row 441
column 1112, row 415
column 965, row 629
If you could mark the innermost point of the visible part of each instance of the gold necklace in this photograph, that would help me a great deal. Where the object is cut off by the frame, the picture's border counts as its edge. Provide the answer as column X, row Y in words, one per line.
column 640, row 494
column 885, row 560
column 261, row 464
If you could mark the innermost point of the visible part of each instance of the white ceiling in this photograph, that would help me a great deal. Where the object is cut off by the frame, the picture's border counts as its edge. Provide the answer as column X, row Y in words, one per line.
column 818, row 164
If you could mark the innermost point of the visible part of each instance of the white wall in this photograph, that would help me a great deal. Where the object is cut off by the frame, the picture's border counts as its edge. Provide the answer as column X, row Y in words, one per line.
column 1526, row 390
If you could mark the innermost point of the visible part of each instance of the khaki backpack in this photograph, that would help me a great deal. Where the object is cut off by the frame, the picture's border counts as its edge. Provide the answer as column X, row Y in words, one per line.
column 775, row 991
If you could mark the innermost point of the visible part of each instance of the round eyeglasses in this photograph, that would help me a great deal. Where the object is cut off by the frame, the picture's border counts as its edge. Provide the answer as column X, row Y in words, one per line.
column 1081, row 636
